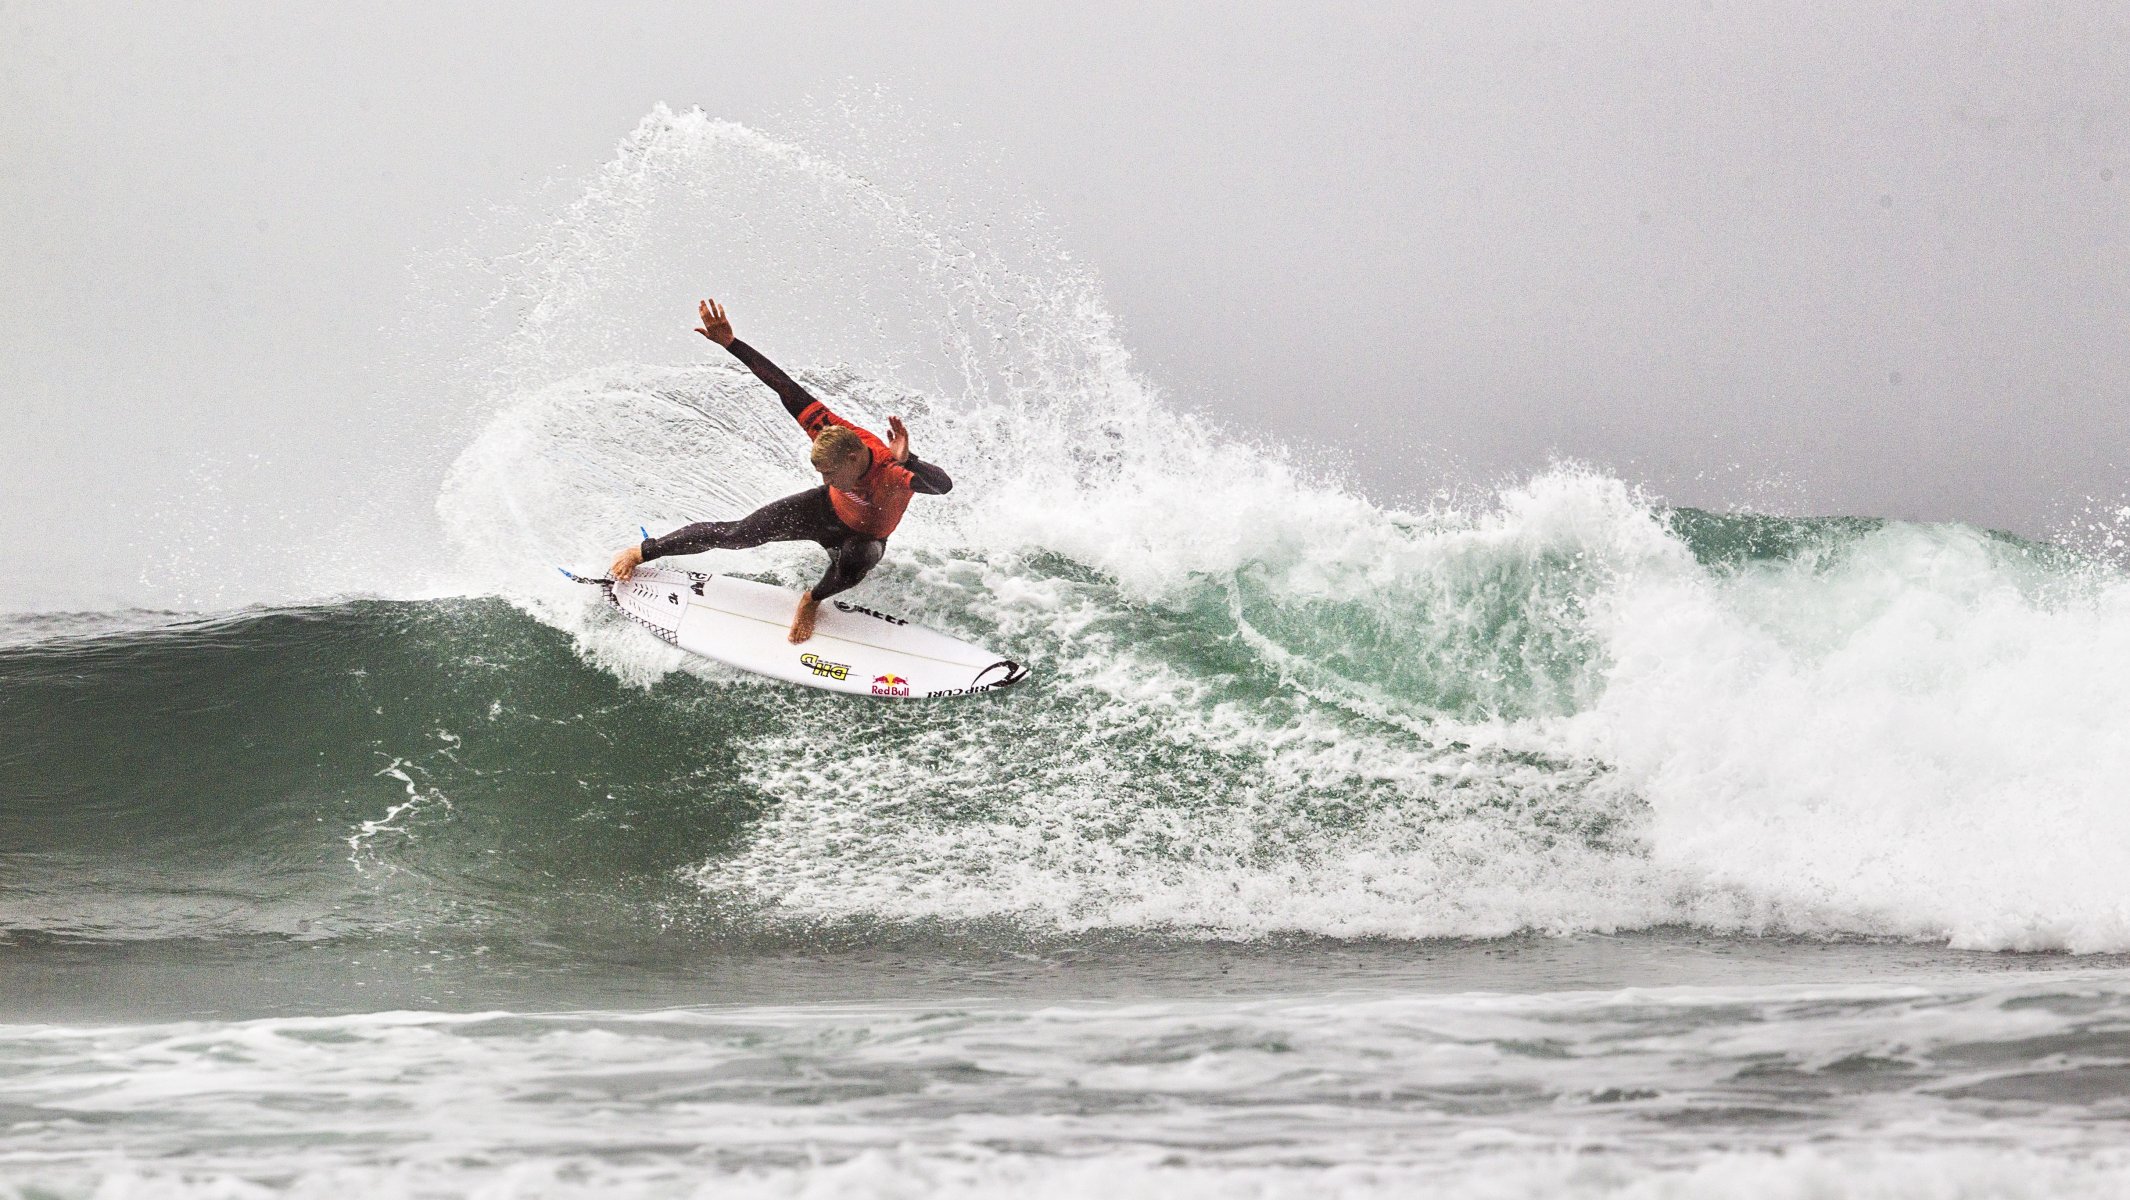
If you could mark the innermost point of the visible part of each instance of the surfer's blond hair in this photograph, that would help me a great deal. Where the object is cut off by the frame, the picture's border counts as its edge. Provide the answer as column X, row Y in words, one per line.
column 835, row 444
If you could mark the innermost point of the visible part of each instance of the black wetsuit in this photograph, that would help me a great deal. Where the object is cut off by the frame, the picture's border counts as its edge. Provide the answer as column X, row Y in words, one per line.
column 809, row 516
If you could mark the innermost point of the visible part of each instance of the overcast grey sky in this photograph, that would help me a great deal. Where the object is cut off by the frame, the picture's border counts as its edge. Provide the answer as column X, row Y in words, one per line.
column 1877, row 251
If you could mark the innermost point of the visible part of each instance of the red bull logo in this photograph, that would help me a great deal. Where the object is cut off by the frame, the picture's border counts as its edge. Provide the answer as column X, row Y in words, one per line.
column 890, row 685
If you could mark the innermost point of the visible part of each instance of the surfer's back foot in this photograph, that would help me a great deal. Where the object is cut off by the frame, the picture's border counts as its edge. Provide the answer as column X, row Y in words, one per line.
column 802, row 621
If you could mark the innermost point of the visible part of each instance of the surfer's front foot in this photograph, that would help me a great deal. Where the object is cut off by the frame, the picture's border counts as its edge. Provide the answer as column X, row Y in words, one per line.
column 802, row 622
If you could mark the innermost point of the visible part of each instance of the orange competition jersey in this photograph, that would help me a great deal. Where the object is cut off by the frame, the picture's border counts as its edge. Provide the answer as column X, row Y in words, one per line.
column 875, row 507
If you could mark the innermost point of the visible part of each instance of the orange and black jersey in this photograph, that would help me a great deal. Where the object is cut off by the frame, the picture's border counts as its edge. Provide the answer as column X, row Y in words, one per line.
column 875, row 506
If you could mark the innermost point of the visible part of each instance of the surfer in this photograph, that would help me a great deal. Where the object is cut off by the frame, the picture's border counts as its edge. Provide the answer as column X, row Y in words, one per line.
column 865, row 485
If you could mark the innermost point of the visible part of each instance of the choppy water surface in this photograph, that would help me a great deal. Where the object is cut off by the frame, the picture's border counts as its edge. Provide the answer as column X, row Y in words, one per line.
column 1992, row 1086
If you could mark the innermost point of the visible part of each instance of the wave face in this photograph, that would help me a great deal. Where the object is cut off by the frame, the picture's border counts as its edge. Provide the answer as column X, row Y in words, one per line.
column 1569, row 713
column 1263, row 703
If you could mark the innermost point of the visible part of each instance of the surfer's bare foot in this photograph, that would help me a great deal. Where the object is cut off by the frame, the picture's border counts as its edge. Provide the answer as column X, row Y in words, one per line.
column 802, row 622
column 626, row 562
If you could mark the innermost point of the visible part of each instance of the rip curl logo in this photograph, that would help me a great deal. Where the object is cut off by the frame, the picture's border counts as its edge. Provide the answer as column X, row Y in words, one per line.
column 824, row 668
column 890, row 685
column 863, row 611
column 1003, row 673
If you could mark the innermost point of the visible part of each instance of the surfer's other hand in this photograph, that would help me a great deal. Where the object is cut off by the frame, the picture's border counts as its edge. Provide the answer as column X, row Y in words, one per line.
column 802, row 621
column 716, row 326
column 625, row 563
column 898, row 443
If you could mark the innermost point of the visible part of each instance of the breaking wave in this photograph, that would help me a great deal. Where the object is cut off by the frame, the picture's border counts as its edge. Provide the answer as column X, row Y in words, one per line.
column 1263, row 702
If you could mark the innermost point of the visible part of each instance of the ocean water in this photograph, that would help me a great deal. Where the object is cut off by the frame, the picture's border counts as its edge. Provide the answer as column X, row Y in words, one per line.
column 1538, row 839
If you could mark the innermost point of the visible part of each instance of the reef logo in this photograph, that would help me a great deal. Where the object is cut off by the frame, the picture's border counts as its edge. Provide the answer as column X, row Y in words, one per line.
column 876, row 614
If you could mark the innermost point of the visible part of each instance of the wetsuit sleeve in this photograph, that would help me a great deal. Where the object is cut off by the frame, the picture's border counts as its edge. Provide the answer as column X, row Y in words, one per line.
column 810, row 413
column 927, row 478
column 688, row 539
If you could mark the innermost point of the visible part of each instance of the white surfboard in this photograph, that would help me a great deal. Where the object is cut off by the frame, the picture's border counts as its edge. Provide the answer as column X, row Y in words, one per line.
column 854, row 649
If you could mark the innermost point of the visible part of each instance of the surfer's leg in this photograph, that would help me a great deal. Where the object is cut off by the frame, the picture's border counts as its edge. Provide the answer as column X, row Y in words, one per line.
column 848, row 562
column 805, row 517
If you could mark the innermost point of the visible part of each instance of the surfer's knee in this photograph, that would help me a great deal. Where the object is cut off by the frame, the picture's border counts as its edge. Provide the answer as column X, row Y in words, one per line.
column 858, row 558
column 851, row 562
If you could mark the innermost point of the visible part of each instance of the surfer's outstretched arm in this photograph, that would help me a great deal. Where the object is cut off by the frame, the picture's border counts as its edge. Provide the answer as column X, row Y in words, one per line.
column 796, row 399
column 718, row 328
column 808, row 411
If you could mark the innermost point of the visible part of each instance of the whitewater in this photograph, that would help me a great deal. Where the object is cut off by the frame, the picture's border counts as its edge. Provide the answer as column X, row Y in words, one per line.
column 1537, row 838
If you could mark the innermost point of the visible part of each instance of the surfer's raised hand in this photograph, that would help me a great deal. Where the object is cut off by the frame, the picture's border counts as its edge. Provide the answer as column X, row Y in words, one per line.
column 716, row 326
column 625, row 563
column 898, row 442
